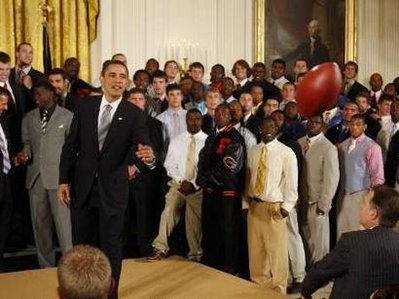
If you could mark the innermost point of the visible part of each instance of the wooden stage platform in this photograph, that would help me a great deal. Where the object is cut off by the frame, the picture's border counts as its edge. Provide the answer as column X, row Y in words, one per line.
column 174, row 277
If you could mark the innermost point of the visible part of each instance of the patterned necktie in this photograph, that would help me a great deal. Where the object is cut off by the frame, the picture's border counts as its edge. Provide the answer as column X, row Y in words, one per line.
column 260, row 182
column 44, row 120
column 103, row 127
column 190, row 161
column 11, row 101
column 306, row 145
column 6, row 158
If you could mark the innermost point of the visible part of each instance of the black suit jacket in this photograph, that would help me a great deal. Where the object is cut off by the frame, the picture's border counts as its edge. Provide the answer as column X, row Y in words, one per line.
column 355, row 89
column 336, row 134
column 269, row 89
column 392, row 162
column 82, row 162
column 208, row 125
column 361, row 262
column 26, row 95
column 253, row 124
column 245, row 88
column 320, row 53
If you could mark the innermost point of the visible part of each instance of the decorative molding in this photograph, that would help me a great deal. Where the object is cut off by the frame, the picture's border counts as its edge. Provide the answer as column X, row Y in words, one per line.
column 350, row 30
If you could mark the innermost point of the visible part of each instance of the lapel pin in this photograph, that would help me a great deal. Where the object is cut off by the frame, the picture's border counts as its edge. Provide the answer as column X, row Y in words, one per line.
column 120, row 118
column 61, row 126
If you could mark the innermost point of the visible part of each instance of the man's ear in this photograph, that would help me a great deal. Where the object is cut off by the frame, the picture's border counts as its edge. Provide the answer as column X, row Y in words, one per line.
column 111, row 287
column 59, row 293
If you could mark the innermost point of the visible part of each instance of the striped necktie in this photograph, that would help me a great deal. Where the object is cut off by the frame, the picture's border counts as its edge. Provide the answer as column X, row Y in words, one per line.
column 44, row 120
column 6, row 157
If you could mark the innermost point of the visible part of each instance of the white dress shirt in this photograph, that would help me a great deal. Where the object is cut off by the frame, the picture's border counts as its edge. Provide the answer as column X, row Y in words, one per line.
column 114, row 106
column 249, row 137
column 281, row 174
column 175, row 162
column 167, row 119
column 279, row 82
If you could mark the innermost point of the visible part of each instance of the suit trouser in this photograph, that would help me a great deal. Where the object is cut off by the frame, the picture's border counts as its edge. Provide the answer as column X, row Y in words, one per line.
column 296, row 250
column 267, row 246
column 45, row 210
column 397, row 224
column 221, row 220
column 174, row 205
column 92, row 225
column 6, row 205
column 316, row 232
column 349, row 214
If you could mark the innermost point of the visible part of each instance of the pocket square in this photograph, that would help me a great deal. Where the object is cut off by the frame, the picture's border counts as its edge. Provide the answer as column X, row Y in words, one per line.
column 60, row 126
column 120, row 118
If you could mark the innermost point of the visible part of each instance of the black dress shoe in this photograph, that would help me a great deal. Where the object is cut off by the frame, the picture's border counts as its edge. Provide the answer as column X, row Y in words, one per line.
column 296, row 287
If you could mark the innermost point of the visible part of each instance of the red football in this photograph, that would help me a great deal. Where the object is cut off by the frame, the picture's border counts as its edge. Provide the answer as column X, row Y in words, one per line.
column 319, row 89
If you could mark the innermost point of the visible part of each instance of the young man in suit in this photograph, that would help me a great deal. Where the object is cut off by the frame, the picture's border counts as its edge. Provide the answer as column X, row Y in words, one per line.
column 58, row 79
column 362, row 261
column 24, row 74
column 44, row 131
column 145, row 186
column 319, row 180
column 392, row 161
column 351, row 87
column 6, row 201
column 106, row 135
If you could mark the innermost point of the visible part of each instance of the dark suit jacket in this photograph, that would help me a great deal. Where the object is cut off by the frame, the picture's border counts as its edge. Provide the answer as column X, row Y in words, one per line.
column 34, row 74
column 82, row 162
column 253, row 124
column 355, row 89
column 26, row 95
column 392, row 162
column 245, row 88
column 3, row 180
column 208, row 125
column 269, row 89
column 361, row 262
column 336, row 134
column 320, row 53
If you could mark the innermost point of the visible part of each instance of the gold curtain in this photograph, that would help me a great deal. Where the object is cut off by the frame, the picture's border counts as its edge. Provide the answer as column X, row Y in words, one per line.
column 72, row 26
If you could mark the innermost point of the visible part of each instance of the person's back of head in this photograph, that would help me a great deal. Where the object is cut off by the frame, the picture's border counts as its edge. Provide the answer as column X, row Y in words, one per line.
column 84, row 272
column 380, row 208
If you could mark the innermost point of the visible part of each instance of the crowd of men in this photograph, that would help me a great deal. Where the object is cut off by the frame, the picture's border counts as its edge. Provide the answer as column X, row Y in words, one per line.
column 264, row 193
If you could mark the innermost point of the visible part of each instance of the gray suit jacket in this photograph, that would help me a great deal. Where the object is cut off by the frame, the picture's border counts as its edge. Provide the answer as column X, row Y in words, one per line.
column 320, row 173
column 45, row 148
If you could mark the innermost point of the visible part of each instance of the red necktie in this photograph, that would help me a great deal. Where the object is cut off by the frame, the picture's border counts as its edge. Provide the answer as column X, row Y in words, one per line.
column 11, row 101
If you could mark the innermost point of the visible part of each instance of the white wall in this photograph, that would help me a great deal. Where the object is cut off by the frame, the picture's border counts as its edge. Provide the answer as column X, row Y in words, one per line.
column 378, row 39
column 220, row 31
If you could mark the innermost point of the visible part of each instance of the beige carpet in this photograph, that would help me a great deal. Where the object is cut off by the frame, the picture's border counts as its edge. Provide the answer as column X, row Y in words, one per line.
column 174, row 277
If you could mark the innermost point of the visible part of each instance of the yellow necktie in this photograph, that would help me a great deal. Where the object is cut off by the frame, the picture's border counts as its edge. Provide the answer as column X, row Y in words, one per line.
column 190, row 161
column 260, row 182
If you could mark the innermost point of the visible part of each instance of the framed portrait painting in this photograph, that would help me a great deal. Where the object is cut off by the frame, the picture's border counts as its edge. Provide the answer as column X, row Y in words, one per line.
column 316, row 30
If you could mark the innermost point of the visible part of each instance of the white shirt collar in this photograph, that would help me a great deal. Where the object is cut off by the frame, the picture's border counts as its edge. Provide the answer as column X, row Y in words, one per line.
column 242, row 82
column 271, row 143
column 114, row 104
column 246, row 117
column 315, row 138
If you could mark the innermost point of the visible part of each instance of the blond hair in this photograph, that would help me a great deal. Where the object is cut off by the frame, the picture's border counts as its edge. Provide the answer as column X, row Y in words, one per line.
column 84, row 272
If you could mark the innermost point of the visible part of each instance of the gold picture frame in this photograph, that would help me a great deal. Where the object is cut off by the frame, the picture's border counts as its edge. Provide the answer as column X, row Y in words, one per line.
column 260, row 23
